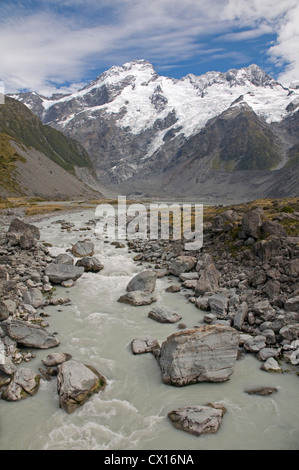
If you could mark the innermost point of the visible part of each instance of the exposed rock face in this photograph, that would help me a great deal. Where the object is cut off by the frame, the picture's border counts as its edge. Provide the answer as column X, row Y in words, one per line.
column 58, row 272
column 197, row 419
column 24, row 383
column 84, row 248
column 163, row 314
column 27, row 334
column 144, row 281
column 76, row 383
column 204, row 354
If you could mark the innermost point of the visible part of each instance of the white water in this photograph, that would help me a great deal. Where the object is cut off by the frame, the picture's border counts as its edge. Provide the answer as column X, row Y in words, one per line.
column 132, row 411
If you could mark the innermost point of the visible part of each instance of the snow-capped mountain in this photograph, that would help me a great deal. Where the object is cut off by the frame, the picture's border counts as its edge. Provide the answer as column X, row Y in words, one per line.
column 137, row 125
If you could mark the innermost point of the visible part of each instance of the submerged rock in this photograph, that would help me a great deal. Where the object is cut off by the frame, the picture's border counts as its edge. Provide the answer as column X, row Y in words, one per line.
column 205, row 354
column 28, row 334
column 76, row 383
column 197, row 419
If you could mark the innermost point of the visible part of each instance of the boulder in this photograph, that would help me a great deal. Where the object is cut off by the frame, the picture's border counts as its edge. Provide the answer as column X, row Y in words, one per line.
column 138, row 298
column 205, row 354
column 76, row 383
column 163, row 314
column 144, row 281
column 55, row 359
column 58, row 272
column 240, row 316
column 255, row 344
column 182, row 264
column 272, row 227
column 208, row 281
column 84, row 248
column 144, row 345
column 63, row 258
column 251, row 224
column 18, row 227
column 288, row 332
column 173, row 288
column 264, row 391
column 90, row 264
column 267, row 249
column 218, row 304
column 204, row 260
column 292, row 304
column 25, row 383
column 34, row 297
column 197, row 419
column 4, row 312
column 271, row 365
column 29, row 335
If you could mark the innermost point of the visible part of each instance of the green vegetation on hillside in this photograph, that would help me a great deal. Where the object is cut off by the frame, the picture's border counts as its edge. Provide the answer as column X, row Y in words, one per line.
column 17, row 121
column 8, row 159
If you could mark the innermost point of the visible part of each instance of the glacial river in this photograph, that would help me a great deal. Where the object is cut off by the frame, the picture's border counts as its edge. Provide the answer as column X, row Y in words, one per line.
column 131, row 413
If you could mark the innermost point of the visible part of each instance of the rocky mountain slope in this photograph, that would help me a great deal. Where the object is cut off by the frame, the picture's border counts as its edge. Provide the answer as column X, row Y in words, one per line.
column 154, row 135
column 38, row 160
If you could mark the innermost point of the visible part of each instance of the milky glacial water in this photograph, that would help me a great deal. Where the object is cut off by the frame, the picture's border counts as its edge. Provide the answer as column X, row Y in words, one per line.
column 131, row 413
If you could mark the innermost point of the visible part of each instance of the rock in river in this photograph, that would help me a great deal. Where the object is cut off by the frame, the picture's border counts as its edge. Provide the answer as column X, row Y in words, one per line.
column 144, row 281
column 76, row 383
column 84, row 248
column 25, row 383
column 197, row 419
column 164, row 314
column 137, row 298
column 58, row 272
column 204, row 354
column 29, row 335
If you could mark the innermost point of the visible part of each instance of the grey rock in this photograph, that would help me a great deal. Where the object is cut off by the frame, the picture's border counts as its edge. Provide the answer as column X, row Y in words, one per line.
column 292, row 304
column 84, row 248
column 163, row 314
column 264, row 391
column 90, row 264
column 290, row 332
column 68, row 283
column 202, row 303
column 182, row 264
column 173, row 288
column 272, row 227
column 76, row 383
column 58, row 273
column 205, row 354
column 240, row 316
column 271, row 365
column 266, row 353
column 204, row 260
column 4, row 312
column 29, row 335
column 25, row 383
column 138, row 298
column 144, row 345
column 18, row 227
column 144, row 281
column 218, row 304
column 64, row 258
column 267, row 249
column 251, row 224
column 34, row 297
column 197, row 419
column 55, row 359
column 255, row 344
column 209, row 280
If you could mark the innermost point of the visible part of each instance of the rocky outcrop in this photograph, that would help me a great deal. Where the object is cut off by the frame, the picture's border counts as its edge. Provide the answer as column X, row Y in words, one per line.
column 204, row 354
column 76, row 383
column 197, row 419
column 29, row 335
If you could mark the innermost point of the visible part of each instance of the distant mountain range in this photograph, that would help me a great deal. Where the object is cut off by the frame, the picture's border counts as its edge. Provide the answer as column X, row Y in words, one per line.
column 226, row 135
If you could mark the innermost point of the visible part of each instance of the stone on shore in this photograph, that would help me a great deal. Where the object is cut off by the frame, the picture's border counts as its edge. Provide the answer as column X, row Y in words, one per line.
column 251, row 224
column 197, row 419
column 25, row 383
column 34, row 297
column 208, row 281
column 205, row 354
column 76, row 383
column 58, row 272
column 29, row 335
column 163, row 314
column 84, row 248
column 218, row 304
column 4, row 312
column 55, row 359
column 182, row 264
column 144, row 281
column 138, row 298
column 144, row 345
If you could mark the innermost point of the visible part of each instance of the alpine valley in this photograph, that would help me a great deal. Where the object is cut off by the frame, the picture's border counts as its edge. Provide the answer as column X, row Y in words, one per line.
column 230, row 135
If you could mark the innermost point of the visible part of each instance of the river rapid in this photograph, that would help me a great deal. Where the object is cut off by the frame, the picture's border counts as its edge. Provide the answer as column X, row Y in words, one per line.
column 131, row 413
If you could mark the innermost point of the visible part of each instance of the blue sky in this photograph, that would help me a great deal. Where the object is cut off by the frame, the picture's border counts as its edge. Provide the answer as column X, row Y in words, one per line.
column 50, row 45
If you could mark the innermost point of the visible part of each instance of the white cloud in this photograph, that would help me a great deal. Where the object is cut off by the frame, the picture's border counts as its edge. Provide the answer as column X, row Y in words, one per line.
column 48, row 46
